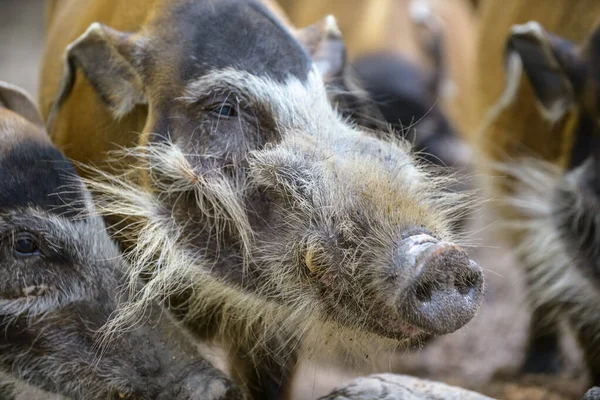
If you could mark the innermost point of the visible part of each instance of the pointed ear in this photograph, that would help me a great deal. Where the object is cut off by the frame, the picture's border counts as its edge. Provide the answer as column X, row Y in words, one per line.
column 109, row 59
column 552, row 65
column 16, row 99
column 324, row 43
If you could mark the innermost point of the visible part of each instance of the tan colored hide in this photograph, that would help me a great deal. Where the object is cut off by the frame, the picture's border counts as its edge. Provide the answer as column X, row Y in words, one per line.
column 385, row 25
column 84, row 128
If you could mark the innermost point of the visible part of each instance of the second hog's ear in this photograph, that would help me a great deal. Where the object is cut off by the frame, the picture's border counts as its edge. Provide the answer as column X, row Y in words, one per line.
column 323, row 42
column 109, row 60
column 16, row 99
column 553, row 67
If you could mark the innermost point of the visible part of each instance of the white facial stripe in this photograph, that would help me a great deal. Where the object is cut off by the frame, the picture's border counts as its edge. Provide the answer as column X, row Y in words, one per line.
column 295, row 104
column 304, row 107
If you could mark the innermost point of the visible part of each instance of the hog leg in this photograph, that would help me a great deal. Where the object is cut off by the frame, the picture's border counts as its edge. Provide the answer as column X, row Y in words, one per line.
column 268, row 377
column 543, row 351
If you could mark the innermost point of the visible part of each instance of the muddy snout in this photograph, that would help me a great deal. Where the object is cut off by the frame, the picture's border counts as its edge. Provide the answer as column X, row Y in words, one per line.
column 445, row 290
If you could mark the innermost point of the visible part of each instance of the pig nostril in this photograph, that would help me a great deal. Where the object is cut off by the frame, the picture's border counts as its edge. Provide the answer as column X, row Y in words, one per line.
column 465, row 284
column 424, row 291
column 445, row 293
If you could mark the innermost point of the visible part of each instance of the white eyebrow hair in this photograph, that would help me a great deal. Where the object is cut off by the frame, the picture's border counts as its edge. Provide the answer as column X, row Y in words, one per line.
column 294, row 103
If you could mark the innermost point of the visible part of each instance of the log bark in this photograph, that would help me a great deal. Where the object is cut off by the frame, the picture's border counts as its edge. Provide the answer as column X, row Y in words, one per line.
column 400, row 387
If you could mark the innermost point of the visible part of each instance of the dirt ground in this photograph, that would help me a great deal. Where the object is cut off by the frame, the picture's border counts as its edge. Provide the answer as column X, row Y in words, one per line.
column 492, row 343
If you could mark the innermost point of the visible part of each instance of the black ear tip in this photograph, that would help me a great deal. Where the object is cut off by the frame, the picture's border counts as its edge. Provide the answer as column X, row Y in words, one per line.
column 550, row 63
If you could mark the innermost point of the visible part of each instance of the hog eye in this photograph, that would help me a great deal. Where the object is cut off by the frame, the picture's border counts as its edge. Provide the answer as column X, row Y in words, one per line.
column 224, row 110
column 25, row 244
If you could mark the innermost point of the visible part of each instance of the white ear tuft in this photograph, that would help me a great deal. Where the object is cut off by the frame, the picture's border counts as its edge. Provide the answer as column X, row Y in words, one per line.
column 331, row 27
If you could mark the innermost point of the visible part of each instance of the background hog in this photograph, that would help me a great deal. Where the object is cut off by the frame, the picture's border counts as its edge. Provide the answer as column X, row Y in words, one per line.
column 412, row 61
column 59, row 280
column 543, row 135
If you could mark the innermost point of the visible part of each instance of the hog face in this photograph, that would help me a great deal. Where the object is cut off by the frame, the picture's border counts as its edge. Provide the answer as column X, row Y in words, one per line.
column 253, row 193
column 327, row 220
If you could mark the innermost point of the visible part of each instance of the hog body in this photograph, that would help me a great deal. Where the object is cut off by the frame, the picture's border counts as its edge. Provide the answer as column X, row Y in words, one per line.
column 264, row 218
column 60, row 275
column 542, row 135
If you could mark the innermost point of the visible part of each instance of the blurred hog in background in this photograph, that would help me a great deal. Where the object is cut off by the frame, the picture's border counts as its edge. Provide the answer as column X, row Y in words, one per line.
column 543, row 135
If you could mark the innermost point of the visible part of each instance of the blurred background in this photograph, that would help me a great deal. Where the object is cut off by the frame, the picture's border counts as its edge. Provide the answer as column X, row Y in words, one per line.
column 476, row 356
column 21, row 42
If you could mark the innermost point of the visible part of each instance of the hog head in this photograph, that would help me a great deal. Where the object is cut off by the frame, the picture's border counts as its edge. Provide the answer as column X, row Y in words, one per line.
column 59, row 284
column 269, row 216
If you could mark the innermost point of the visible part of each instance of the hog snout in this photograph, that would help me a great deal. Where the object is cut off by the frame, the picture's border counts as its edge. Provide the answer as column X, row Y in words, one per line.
column 445, row 289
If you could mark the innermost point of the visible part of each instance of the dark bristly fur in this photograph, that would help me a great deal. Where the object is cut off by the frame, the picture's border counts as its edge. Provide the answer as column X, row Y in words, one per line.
column 260, row 215
column 60, row 276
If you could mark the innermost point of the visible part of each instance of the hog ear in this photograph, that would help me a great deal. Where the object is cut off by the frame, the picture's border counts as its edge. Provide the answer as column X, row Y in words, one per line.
column 551, row 64
column 16, row 99
column 108, row 59
column 324, row 43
